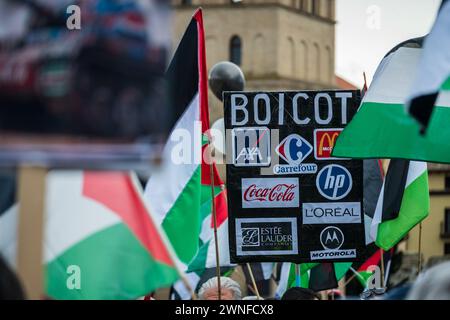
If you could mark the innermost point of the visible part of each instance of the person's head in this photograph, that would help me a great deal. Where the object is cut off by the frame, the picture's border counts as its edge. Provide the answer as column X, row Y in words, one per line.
column 298, row 293
column 433, row 284
column 230, row 289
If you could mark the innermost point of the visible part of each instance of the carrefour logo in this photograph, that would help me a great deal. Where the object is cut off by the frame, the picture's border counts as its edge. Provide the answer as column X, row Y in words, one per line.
column 334, row 182
column 294, row 149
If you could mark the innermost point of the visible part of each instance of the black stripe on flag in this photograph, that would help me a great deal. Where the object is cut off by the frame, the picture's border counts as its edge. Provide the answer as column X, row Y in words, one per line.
column 421, row 108
column 372, row 184
column 182, row 74
column 323, row 277
column 7, row 192
column 394, row 187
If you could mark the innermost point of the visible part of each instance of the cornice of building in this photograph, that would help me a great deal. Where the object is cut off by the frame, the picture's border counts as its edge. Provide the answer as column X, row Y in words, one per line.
column 438, row 168
column 252, row 6
column 292, row 82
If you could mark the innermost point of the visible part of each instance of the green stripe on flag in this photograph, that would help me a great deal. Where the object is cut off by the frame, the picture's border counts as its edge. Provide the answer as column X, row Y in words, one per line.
column 184, row 215
column 392, row 127
column 414, row 208
column 113, row 265
column 341, row 268
column 446, row 85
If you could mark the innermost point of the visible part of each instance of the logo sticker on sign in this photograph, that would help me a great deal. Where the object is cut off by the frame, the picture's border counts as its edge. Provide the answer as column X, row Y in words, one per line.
column 334, row 182
column 266, row 236
column 270, row 193
column 294, row 149
column 251, row 146
column 331, row 212
column 324, row 141
column 332, row 239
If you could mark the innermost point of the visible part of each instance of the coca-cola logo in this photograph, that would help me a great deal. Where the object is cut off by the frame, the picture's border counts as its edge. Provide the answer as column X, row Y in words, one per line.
column 280, row 192
column 270, row 192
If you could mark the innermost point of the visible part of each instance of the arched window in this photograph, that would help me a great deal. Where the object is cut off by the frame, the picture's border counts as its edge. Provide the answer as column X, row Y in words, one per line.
column 236, row 50
column 303, row 5
column 316, row 7
column 330, row 9
column 303, row 60
column 317, row 62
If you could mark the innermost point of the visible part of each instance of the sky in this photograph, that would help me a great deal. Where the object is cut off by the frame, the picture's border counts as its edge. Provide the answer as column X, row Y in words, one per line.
column 367, row 29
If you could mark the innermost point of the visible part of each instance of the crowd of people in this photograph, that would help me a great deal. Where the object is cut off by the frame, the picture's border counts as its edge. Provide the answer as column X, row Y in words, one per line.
column 432, row 284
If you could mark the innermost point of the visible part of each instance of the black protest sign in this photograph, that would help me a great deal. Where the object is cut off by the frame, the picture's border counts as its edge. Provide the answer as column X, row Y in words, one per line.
column 288, row 198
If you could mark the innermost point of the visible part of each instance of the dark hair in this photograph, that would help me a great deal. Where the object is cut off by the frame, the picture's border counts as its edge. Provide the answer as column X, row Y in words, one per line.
column 298, row 293
column 10, row 288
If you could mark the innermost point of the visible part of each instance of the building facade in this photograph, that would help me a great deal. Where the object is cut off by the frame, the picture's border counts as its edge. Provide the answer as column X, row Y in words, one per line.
column 435, row 234
column 279, row 44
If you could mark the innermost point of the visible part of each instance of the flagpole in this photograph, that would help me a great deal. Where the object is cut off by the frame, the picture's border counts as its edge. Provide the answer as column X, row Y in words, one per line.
column 382, row 267
column 253, row 281
column 163, row 236
column 419, row 265
column 356, row 273
column 214, row 214
column 349, row 280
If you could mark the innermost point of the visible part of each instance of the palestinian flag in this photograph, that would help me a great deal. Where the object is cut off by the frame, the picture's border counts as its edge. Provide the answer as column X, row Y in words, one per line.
column 373, row 181
column 431, row 89
column 403, row 203
column 315, row 276
column 179, row 193
column 382, row 128
column 98, row 227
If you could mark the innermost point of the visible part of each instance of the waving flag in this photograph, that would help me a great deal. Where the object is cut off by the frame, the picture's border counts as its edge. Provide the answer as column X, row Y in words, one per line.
column 179, row 194
column 431, row 89
column 98, row 227
column 382, row 128
column 403, row 203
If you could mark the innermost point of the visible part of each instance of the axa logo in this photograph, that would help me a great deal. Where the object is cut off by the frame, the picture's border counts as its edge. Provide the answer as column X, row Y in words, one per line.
column 251, row 146
column 249, row 154
column 324, row 141
column 294, row 149
column 334, row 182
column 331, row 238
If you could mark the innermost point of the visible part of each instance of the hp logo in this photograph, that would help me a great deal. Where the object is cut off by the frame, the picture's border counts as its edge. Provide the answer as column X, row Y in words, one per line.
column 334, row 182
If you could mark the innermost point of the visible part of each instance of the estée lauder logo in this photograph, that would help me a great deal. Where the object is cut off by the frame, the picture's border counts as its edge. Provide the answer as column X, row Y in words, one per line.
column 324, row 141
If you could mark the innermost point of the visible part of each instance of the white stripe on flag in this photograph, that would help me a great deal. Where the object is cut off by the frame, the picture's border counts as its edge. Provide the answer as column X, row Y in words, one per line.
column 284, row 278
column 393, row 77
column 167, row 183
column 377, row 215
column 8, row 235
column 434, row 64
column 70, row 216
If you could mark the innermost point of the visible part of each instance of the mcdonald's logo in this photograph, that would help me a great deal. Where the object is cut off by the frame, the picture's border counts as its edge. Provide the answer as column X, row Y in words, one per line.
column 324, row 140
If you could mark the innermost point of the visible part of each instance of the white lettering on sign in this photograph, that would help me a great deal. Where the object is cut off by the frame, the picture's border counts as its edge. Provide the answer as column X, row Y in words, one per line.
column 296, row 108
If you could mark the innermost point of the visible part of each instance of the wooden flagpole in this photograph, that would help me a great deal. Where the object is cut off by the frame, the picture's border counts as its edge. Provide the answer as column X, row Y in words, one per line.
column 31, row 196
column 214, row 214
column 253, row 281
column 349, row 280
column 419, row 264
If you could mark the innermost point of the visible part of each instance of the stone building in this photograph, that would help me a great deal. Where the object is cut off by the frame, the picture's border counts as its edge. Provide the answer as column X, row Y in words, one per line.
column 435, row 237
column 279, row 44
